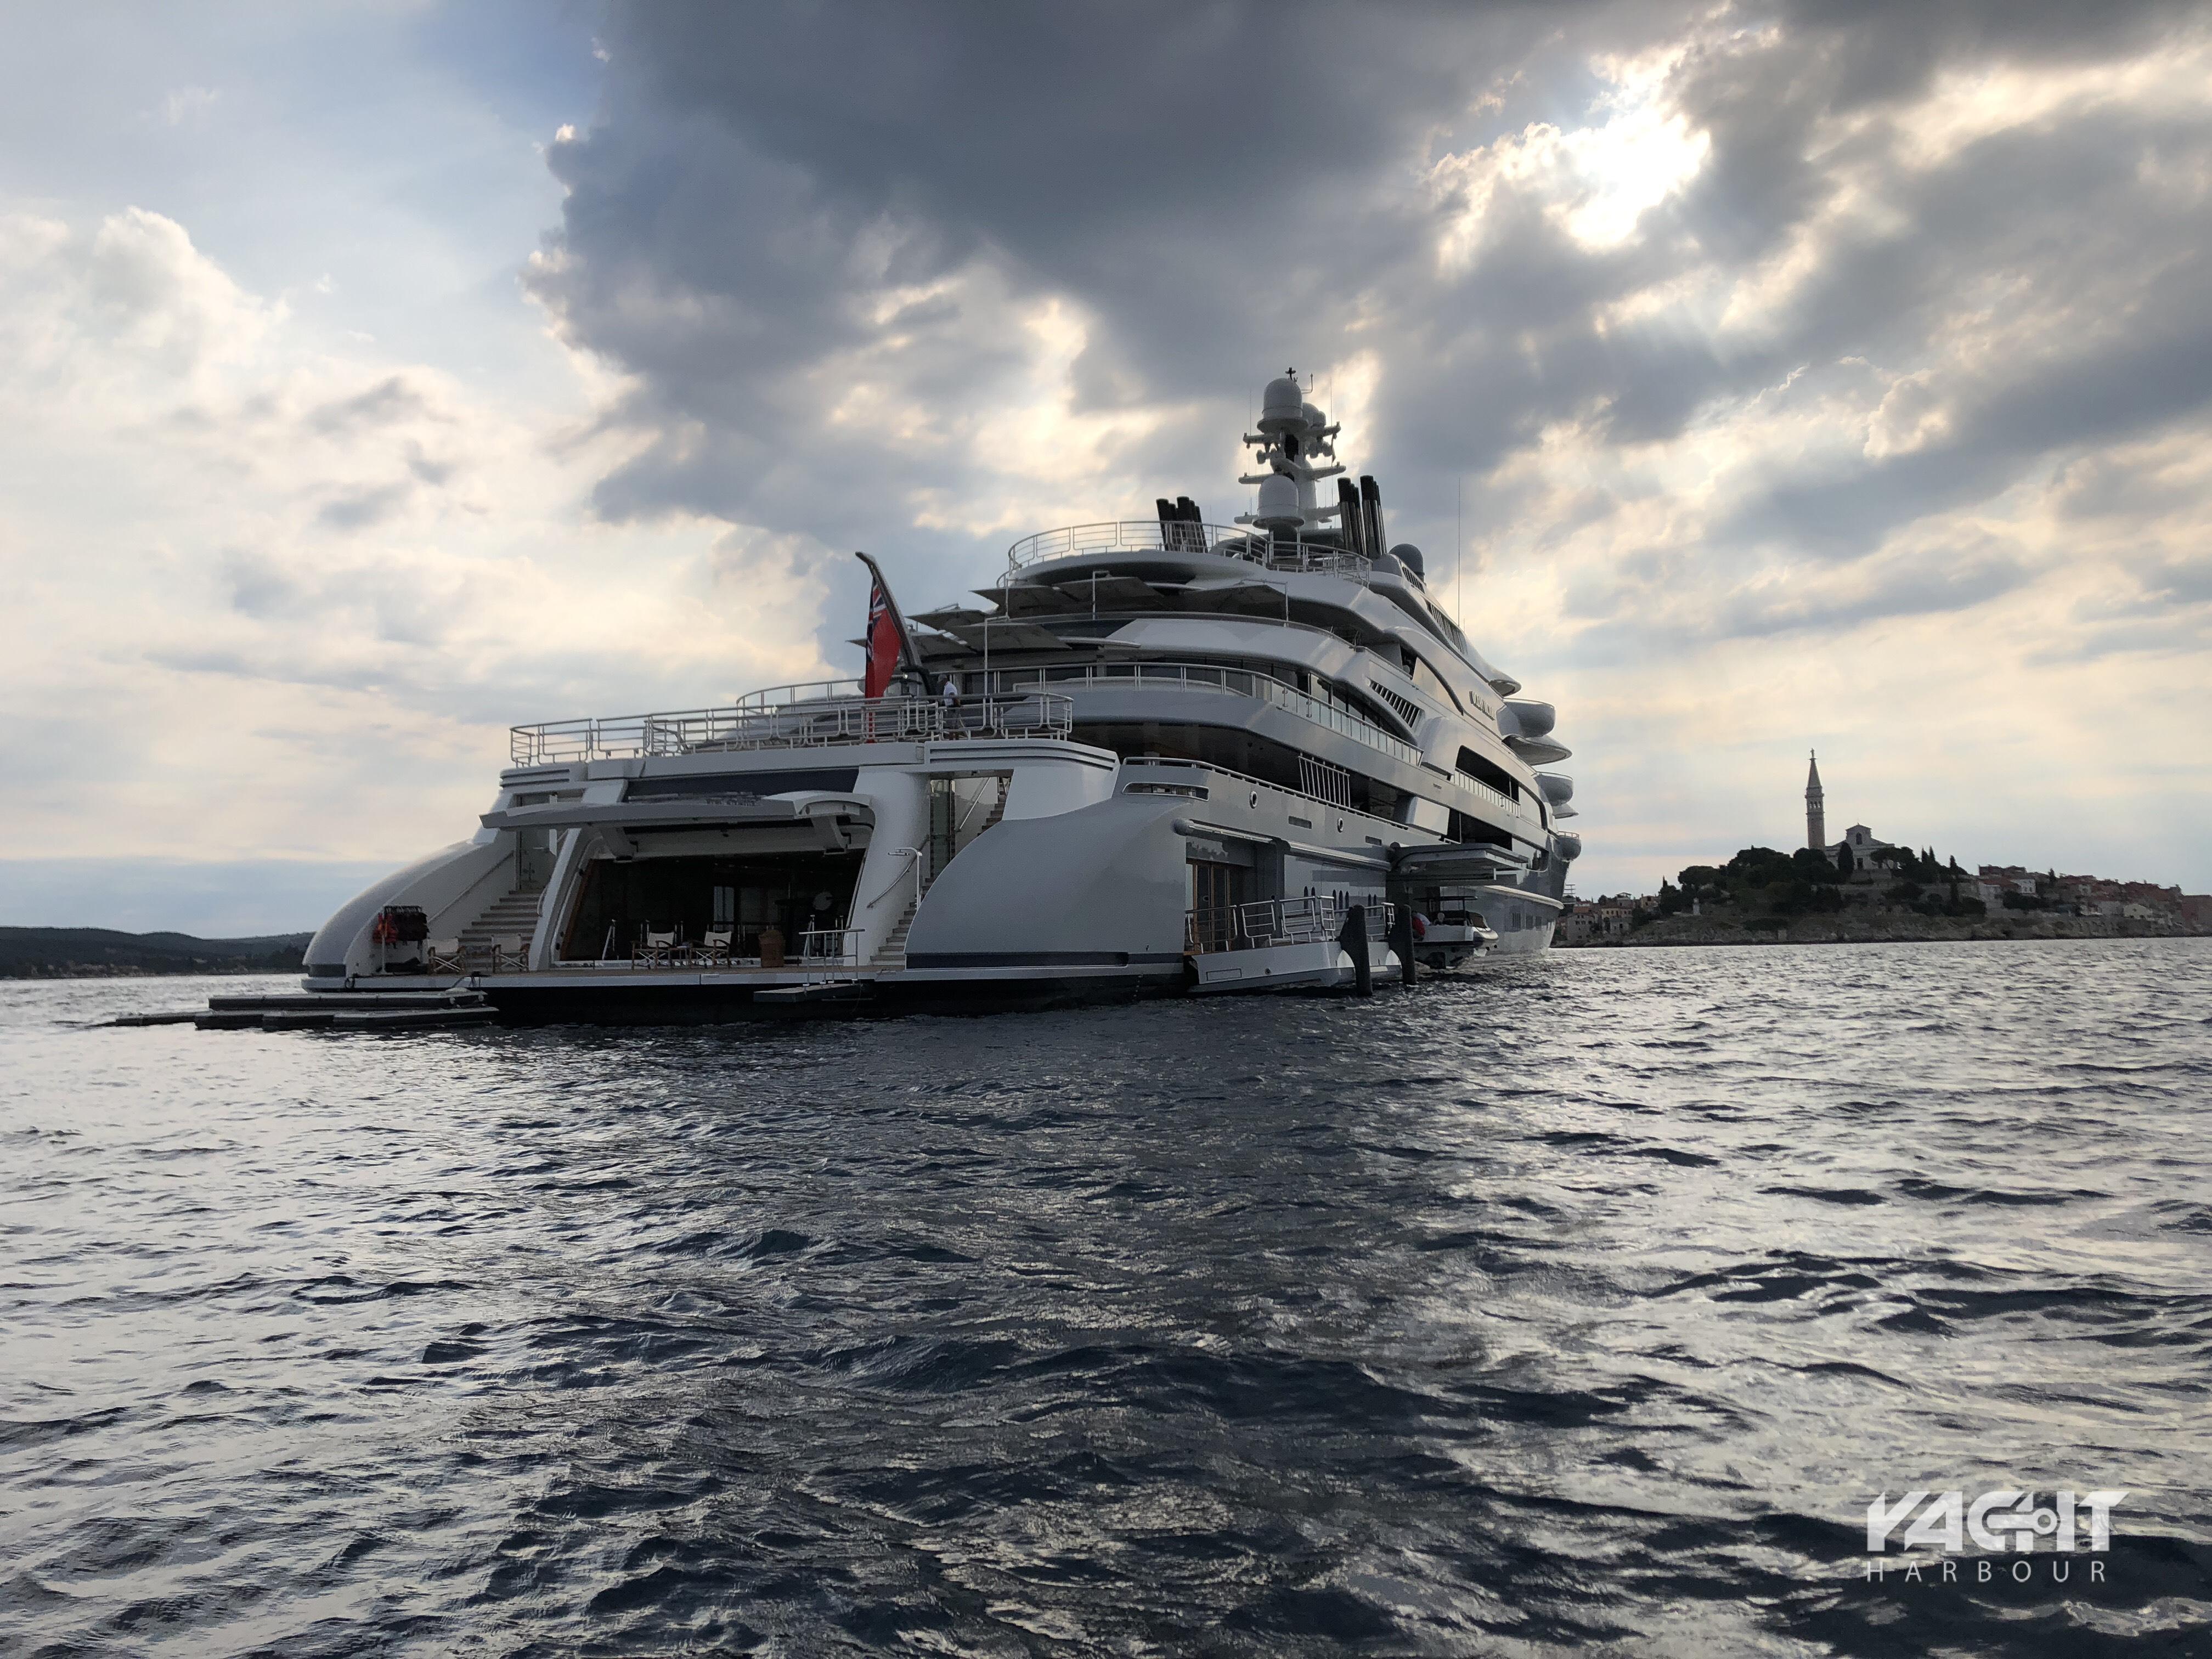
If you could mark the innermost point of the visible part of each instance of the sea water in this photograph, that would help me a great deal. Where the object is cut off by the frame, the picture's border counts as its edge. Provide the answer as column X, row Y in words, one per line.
column 1587, row 1300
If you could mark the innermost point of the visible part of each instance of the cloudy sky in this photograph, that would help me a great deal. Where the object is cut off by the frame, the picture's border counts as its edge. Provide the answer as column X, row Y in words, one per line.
column 1759, row 377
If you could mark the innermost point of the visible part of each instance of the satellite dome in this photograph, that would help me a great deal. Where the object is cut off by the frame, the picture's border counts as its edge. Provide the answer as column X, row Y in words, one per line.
column 1279, row 504
column 1283, row 404
column 1410, row 555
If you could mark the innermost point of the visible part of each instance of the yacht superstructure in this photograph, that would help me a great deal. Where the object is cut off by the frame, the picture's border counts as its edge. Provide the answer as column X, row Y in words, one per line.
column 1168, row 756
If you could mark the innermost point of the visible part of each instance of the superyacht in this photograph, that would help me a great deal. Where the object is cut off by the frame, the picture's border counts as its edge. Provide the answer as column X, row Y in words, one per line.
column 1165, row 757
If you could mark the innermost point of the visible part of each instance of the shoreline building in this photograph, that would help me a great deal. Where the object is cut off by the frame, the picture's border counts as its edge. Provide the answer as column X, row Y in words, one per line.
column 1864, row 844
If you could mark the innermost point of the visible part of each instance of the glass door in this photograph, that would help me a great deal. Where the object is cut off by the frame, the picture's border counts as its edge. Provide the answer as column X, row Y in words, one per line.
column 533, row 859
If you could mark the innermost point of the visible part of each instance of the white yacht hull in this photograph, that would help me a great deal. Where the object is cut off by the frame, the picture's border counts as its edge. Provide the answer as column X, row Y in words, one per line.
column 1322, row 965
column 1181, row 757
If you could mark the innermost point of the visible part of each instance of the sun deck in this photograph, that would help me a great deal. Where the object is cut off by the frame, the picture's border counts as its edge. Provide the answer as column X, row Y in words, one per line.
column 1280, row 550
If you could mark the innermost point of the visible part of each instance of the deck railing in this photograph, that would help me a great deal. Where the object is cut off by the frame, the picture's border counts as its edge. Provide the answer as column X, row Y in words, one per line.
column 798, row 725
column 1366, row 820
column 1276, row 550
column 776, row 696
column 1316, row 918
column 1208, row 677
column 1477, row 787
column 830, row 947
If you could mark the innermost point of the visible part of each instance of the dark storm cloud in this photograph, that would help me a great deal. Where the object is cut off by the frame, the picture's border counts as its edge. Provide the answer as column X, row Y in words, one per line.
column 1146, row 156
column 1217, row 185
column 771, row 194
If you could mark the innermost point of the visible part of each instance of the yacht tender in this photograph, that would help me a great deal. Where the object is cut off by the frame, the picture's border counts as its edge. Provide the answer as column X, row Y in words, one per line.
column 1171, row 756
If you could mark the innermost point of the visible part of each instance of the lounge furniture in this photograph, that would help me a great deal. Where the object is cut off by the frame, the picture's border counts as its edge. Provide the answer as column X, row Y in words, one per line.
column 714, row 947
column 443, row 956
column 654, row 950
column 510, row 954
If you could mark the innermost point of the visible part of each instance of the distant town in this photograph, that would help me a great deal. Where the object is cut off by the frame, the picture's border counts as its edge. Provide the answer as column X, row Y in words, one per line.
column 1862, row 887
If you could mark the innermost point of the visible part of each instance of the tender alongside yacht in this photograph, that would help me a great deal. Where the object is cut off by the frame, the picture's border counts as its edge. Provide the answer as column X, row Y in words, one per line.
column 1171, row 756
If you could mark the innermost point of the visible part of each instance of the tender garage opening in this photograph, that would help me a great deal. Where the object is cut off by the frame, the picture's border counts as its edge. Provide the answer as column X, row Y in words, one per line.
column 785, row 893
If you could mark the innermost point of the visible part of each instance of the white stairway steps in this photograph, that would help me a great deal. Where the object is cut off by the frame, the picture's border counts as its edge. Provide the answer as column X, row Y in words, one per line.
column 891, row 953
column 515, row 915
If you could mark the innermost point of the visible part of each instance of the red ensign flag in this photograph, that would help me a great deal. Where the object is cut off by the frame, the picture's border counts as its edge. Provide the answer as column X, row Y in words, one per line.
column 883, row 643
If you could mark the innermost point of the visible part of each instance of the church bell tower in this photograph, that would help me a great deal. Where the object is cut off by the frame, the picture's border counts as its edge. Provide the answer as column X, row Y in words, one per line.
column 1816, row 818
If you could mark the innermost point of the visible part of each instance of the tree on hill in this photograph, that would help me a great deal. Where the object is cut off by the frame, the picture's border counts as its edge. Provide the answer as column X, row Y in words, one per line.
column 1845, row 864
column 1812, row 864
column 1702, row 881
column 1760, row 866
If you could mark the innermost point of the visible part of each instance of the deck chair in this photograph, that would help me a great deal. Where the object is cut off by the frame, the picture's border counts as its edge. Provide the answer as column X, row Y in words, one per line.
column 654, row 950
column 443, row 956
column 714, row 946
column 510, row 954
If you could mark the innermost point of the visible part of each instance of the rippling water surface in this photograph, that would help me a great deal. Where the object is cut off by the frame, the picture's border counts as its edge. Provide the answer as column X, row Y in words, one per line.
column 1585, row 1303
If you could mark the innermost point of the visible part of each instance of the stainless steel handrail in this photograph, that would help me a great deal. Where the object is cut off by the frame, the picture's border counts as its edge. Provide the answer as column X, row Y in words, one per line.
column 1364, row 817
column 1314, row 919
column 776, row 696
column 815, row 723
column 1275, row 551
column 830, row 947
column 1476, row 786
column 1214, row 677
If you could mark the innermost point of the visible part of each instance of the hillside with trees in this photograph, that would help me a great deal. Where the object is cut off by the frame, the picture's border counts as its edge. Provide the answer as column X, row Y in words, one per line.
column 101, row 952
column 1762, row 895
column 1760, row 884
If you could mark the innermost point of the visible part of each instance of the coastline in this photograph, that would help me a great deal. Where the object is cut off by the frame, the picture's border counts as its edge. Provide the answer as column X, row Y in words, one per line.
column 35, row 953
column 1833, row 928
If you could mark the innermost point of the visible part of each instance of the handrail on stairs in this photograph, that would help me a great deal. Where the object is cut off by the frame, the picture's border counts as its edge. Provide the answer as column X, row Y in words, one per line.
column 913, row 853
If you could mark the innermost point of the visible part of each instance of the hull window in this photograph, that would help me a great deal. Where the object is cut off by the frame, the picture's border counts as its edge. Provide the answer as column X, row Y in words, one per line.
column 1489, row 772
column 1467, row 828
column 1246, row 752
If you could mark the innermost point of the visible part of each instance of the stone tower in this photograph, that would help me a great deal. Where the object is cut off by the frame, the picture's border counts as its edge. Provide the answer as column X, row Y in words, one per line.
column 1816, row 818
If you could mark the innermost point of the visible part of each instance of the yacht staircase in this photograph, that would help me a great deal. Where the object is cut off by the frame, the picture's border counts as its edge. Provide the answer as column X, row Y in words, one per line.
column 515, row 915
column 891, row 953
